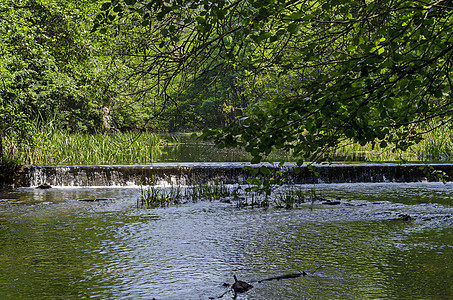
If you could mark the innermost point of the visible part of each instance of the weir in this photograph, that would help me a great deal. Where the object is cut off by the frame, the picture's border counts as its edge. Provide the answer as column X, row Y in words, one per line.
column 228, row 173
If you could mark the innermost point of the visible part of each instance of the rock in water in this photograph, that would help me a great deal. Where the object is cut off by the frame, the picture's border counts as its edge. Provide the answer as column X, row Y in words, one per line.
column 240, row 286
column 44, row 186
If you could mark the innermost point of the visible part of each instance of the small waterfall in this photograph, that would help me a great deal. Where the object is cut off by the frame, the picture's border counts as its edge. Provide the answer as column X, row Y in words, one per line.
column 129, row 175
column 186, row 173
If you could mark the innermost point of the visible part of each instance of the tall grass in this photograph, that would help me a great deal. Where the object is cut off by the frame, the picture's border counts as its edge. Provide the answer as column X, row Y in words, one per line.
column 114, row 148
column 155, row 196
column 280, row 197
column 353, row 152
column 59, row 147
column 436, row 146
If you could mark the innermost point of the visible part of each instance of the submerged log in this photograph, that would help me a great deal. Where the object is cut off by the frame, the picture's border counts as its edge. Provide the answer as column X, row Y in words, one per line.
column 331, row 202
column 286, row 276
column 95, row 200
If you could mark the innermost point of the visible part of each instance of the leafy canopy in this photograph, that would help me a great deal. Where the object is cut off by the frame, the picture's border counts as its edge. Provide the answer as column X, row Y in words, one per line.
column 319, row 72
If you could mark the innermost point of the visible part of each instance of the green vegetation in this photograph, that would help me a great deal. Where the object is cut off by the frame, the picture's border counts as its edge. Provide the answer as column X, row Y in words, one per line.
column 436, row 146
column 119, row 148
column 53, row 146
column 154, row 196
column 316, row 74
column 308, row 77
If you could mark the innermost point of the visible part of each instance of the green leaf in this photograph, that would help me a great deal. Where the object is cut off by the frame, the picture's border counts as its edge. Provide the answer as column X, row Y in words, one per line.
column 256, row 160
column 106, row 6
column 265, row 170
column 118, row 8
column 296, row 15
column 293, row 27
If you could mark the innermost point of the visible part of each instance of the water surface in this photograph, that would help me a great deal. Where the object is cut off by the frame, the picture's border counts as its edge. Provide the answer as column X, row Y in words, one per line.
column 52, row 245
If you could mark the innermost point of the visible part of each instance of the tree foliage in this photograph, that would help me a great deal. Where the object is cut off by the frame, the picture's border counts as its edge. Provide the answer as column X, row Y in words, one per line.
column 300, row 75
column 319, row 72
column 44, row 53
column 52, row 70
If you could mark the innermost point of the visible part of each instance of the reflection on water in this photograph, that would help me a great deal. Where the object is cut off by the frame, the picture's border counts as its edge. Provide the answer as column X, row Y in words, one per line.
column 189, row 149
column 53, row 246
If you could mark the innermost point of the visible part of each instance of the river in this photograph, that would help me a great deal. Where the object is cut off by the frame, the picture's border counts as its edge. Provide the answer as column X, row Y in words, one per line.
column 56, row 245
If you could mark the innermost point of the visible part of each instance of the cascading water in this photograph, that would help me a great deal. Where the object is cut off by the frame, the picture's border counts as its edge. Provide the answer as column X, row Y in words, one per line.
column 183, row 173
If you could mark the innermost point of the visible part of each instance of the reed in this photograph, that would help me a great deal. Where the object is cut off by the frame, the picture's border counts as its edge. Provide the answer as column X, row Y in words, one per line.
column 436, row 146
column 153, row 197
column 242, row 196
column 354, row 152
column 59, row 147
column 290, row 197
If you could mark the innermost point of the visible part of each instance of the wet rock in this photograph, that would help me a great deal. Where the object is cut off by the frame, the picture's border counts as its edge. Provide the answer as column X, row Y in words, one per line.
column 404, row 217
column 240, row 286
column 44, row 186
column 331, row 202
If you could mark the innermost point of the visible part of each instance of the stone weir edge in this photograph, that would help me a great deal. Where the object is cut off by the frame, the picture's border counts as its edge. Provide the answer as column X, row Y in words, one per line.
column 108, row 175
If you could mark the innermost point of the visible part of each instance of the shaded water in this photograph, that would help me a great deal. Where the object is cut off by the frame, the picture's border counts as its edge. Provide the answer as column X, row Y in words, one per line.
column 54, row 246
column 189, row 149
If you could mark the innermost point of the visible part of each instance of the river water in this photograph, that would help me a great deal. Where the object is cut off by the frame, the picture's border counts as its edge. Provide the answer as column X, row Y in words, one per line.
column 189, row 149
column 55, row 246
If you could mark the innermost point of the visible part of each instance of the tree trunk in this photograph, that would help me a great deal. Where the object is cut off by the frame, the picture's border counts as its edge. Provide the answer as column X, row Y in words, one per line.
column 106, row 118
column 1, row 150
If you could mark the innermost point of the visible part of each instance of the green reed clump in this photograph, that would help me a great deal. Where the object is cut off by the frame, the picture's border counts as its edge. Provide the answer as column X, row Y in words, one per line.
column 370, row 153
column 243, row 196
column 289, row 197
column 153, row 197
column 436, row 145
column 59, row 147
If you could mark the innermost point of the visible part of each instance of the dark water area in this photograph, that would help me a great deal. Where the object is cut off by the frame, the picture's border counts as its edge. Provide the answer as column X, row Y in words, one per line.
column 55, row 246
column 185, row 148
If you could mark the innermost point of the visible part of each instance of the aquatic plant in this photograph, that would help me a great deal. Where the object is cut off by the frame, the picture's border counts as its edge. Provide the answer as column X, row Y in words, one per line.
column 159, row 196
column 436, row 145
column 153, row 197
column 288, row 196
column 59, row 147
